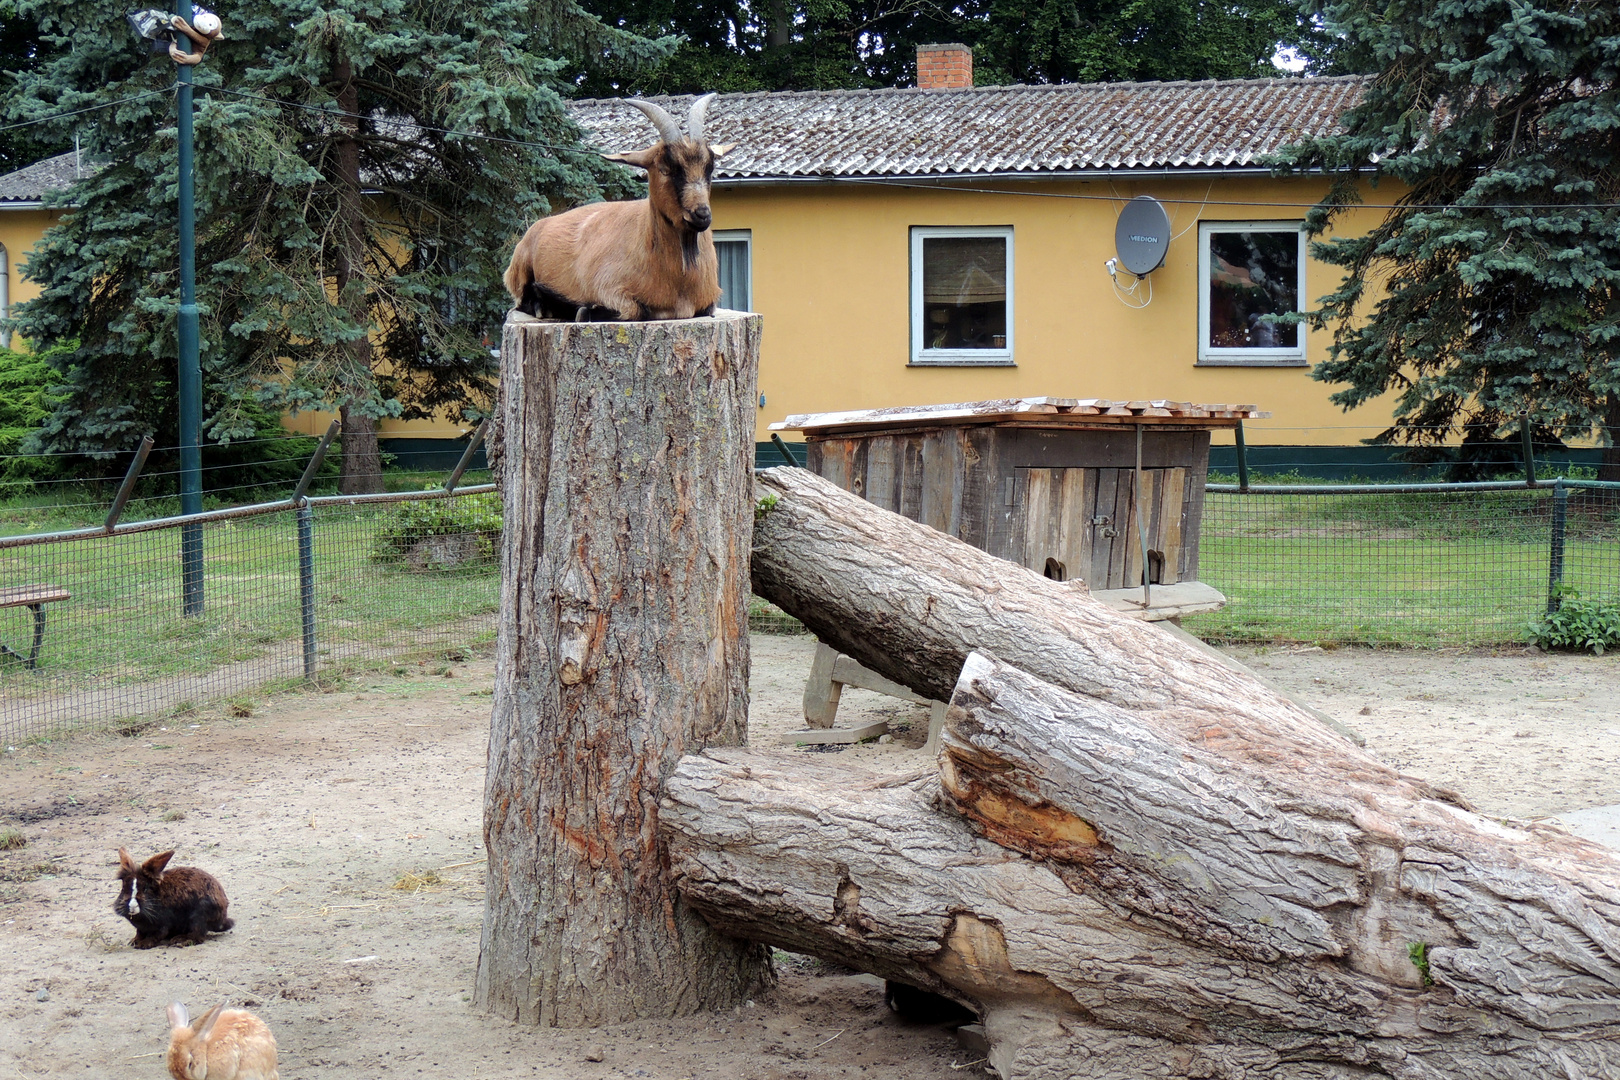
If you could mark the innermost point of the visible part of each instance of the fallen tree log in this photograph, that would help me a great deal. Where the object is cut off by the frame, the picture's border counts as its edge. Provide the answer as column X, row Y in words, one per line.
column 1117, row 901
column 910, row 603
column 1132, row 860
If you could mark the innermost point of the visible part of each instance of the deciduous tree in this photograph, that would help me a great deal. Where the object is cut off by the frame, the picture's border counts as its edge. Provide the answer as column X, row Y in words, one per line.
column 739, row 45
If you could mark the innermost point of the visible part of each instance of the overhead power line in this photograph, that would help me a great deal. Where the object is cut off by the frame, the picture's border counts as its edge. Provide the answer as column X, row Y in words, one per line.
column 89, row 108
column 398, row 121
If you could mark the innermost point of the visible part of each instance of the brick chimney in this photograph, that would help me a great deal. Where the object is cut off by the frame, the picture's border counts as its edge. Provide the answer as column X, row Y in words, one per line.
column 944, row 67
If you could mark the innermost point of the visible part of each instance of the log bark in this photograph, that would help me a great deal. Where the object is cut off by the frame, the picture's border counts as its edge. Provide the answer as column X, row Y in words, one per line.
column 910, row 603
column 1131, row 859
column 626, row 451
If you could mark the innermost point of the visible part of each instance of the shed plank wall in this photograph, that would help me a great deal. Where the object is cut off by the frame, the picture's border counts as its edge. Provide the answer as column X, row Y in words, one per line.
column 958, row 479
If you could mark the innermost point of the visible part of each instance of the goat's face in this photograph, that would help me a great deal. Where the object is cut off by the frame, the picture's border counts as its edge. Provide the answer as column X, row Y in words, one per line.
column 679, row 167
column 678, row 178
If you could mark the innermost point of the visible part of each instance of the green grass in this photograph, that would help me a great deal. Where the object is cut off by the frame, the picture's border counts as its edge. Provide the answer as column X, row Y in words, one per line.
column 1380, row 569
column 124, row 623
column 1453, row 569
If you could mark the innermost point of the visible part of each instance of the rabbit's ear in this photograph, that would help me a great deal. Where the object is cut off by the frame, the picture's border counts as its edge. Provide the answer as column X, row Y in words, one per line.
column 205, row 1022
column 156, row 863
column 178, row 1018
column 125, row 862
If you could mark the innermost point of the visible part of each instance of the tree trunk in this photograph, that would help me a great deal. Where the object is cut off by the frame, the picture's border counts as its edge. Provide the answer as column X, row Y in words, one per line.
column 910, row 603
column 625, row 452
column 360, row 457
column 779, row 25
column 360, row 472
column 1134, row 860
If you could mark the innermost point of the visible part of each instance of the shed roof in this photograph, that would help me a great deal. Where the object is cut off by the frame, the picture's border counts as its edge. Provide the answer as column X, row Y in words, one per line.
column 986, row 130
column 32, row 183
column 1037, row 411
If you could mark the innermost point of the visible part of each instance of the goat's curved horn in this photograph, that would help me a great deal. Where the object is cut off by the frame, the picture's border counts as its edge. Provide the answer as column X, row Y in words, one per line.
column 694, row 123
column 668, row 130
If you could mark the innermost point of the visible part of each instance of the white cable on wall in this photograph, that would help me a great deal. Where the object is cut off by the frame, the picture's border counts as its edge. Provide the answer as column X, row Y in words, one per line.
column 1128, row 294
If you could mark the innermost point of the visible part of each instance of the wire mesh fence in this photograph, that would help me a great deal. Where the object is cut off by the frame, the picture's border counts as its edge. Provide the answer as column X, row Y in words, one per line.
column 97, row 636
column 1447, row 565
column 95, row 632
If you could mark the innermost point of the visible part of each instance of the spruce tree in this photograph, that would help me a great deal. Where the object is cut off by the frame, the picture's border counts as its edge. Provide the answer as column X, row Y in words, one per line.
column 22, row 49
column 1491, row 289
column 361, row 172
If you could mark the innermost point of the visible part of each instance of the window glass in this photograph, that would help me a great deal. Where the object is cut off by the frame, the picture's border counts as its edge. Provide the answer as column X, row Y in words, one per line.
column 734, row 271
column 964, row 292
column 1254, row 276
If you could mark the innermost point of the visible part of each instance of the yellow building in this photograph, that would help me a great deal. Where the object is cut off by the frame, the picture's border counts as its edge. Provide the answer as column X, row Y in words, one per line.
column 958, row 243
column 943, row 244
column 23, row 220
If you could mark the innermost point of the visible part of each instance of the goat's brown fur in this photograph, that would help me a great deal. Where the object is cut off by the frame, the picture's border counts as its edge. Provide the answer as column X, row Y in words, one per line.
column 650, row 258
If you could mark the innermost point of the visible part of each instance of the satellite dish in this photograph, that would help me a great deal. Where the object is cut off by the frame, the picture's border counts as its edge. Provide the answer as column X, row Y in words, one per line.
column 1142, row 236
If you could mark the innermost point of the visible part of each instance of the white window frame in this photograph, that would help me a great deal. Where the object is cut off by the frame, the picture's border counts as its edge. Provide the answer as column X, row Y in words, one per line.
column 921, row 357
column 1292, row 356
column 747, row 238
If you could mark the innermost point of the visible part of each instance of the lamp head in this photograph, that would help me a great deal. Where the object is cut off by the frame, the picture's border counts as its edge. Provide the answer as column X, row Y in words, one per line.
column 152, row 25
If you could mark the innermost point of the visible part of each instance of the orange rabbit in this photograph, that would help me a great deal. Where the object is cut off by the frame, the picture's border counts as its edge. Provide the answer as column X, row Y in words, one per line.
column 223, row 1044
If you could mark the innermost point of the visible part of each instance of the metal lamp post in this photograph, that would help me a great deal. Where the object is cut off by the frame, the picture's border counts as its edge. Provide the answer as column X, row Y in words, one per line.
column 165, row 34
column 191, row 540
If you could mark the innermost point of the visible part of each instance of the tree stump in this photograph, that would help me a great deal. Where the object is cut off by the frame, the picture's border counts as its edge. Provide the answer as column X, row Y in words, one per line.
column 1133, row 860
column 626, row 459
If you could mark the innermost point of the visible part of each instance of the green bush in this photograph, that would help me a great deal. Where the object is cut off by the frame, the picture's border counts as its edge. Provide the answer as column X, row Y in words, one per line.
column 262, row 463
column 1578, row 624
column 408, row 524
column 25, row 402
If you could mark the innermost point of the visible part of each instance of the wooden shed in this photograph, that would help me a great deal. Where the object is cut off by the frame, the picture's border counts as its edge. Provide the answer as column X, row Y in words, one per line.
column 1050, row 483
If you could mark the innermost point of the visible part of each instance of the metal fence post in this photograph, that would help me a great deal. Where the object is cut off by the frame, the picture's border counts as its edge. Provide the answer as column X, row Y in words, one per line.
column 782, row 448
column 306, row 546
column 1555, row 558
column 1243, row 459
column 467, row 455
column 1529, row 451
column 127, row 488
column 306, row 583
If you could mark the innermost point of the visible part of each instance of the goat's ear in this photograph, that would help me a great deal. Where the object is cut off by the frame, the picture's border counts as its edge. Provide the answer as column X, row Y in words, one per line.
column 723, row 149
column 641, row 159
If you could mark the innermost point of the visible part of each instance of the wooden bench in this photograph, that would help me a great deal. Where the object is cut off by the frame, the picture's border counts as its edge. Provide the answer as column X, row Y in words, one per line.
column 34, row 598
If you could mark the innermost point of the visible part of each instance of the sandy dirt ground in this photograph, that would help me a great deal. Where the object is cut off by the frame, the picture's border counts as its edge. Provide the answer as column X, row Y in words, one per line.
column 345, row 826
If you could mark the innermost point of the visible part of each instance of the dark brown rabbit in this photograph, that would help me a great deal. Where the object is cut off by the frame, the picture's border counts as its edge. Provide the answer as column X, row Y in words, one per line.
column 176, row 907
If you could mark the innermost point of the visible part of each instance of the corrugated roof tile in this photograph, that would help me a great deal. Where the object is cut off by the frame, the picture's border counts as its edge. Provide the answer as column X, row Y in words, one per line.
column 33, row 182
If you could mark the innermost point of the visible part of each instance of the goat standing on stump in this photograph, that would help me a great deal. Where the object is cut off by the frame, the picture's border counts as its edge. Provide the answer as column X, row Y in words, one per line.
column 648, row 259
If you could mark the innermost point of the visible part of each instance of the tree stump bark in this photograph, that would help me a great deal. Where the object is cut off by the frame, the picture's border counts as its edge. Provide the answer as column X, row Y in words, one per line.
column 1131, row 859
column 626, row 457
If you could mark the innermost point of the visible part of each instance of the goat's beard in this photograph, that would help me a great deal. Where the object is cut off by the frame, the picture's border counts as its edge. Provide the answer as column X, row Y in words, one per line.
column 689, row 248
